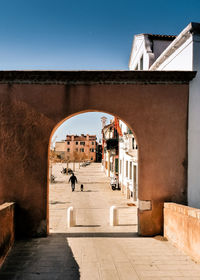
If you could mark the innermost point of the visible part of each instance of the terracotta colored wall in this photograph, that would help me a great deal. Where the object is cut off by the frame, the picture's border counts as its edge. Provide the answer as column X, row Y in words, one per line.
column 86, row 155
column 7, row 233
column 157, row 113
column 182, row 228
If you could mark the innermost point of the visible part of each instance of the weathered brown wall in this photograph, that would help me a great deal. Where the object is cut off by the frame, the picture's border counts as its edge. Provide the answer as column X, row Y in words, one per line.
column 157, row 113
column 182, row 227
column 7, row 229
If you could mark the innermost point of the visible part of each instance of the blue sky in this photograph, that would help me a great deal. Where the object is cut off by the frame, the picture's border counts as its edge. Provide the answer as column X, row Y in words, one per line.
column 83, row 34
column 84, row 123
column 89, row 34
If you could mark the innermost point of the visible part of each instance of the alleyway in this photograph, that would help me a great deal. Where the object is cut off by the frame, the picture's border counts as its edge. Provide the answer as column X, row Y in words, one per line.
column 92, row 205
column 92, row 249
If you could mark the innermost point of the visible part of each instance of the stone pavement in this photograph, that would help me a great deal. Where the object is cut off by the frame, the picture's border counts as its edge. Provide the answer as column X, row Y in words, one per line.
column 92, row 249
column 92, row 205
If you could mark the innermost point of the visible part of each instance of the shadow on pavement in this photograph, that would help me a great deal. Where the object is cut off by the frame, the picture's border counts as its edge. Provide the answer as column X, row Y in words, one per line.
column 59, row 202
column 85, row 191
column 127, row 225
column 87, row 225
column 49, row 258
column 103, row 234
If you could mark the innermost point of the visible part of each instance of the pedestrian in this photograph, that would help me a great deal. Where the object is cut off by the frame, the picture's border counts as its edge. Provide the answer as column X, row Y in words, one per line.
column 73, row 180
column 81, row 187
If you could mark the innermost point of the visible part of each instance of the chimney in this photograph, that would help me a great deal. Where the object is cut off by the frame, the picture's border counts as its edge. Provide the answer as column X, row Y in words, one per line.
column 103, row 121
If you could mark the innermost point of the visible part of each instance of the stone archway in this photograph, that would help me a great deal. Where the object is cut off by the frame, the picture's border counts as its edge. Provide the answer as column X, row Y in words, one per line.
column 153, row 104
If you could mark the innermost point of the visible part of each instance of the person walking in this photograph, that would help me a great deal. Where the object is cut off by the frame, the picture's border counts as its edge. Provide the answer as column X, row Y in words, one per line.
column 73, row 180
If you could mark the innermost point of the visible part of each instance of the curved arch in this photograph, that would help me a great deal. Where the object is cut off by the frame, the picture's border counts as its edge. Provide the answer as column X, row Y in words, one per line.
column 156, row 110
column 53, row 132
column 90, row 111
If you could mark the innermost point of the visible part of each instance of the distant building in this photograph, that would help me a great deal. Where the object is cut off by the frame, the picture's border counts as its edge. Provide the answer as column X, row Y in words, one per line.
column 99, row 152
column 128, row 161
column 77, row 147
column 110, row 151
column 60, row 148
column 120, row 156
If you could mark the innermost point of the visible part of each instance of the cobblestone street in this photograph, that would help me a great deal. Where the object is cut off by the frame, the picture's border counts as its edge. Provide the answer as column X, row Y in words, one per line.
column 93, row 249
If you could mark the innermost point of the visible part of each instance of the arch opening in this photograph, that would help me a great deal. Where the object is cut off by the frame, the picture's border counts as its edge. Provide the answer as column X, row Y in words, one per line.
column 102, row 152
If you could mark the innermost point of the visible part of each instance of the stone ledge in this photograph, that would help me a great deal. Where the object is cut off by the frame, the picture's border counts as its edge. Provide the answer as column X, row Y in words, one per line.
column 185, row 210
column 182, row 227
column 96, row 77
column 7, row 229
column 5, row 205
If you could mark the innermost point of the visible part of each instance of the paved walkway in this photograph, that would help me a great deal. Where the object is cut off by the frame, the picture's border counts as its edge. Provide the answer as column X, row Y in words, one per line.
column 93, row 249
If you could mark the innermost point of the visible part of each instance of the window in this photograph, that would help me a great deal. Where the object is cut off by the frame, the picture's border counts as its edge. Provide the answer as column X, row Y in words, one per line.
column 129, row 131
column 141, row 63
column 135, row 174
column 68, row 143
column 82, row 143
column 76, row 142
column 116, row 165
column 91, row 158
column 92, row 143
column 131, row 170
column 111, row 167
column 92, row 150
column 127, row 168
column 133, row 142
column 82, row 150
column 68, row 149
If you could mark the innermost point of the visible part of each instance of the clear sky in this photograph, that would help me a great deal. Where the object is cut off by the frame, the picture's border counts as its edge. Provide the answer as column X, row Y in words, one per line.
column 83, row 123
column 83, row 34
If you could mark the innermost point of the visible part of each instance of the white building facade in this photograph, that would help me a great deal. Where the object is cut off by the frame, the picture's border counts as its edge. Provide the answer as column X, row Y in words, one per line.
column 182, row 52
column 128, row 162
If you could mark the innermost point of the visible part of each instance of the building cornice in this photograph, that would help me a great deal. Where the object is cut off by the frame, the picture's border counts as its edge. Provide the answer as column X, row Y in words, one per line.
column 191, row 29
column 95, row 77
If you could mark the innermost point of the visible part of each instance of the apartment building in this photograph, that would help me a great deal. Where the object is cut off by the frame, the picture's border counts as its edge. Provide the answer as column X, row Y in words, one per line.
column 78, row 147
column 128, row 162
column 110, row 149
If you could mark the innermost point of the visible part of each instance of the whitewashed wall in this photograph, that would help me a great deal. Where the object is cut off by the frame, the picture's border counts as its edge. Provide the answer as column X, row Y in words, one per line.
column 187, row 57
column 139, row 50
column 194, row 130
column 181, row 59
column 123, row 158
column 184, row 57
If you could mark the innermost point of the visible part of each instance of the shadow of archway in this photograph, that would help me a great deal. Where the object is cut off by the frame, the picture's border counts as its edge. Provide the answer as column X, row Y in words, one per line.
column 41, row 258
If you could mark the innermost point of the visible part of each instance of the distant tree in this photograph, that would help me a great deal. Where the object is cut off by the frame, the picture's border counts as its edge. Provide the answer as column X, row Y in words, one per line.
column 75, row 156
column 83, row 157
column 54, row 157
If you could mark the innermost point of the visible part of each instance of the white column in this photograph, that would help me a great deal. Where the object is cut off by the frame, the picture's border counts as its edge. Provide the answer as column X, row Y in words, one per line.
column 71, row 218
column 113, row 216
